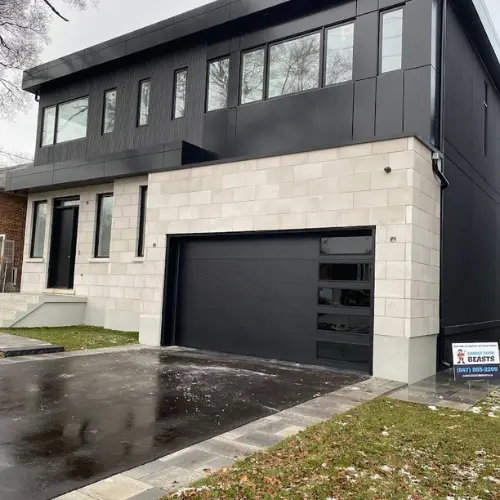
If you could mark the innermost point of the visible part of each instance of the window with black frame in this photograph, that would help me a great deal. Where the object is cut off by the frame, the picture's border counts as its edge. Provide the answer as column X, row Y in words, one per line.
column 143, row 104
column 109, row 112
column 143, row 203
column 392, row 41
column 103, row 225
column 218, row 80
column 180, row 86
column 38, row 229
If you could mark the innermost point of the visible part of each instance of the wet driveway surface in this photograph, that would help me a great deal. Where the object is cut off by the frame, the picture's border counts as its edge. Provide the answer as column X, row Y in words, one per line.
column 68, row 422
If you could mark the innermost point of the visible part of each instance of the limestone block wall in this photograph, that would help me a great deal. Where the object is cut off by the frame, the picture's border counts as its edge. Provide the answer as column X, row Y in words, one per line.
column 341, row 187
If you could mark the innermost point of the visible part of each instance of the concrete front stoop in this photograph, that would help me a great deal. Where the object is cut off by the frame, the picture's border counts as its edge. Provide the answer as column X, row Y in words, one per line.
column 24, row 310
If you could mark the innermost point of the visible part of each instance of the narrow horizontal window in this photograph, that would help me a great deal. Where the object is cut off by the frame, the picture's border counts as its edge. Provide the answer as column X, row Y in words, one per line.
column 345, row 272
column 340, row 297
column 72, row 120
column 144, row 99
column 143, row 202
column 339, row 54
column 180, row 93
column 343, row 352
column 392, row 41
column 218, row 79
column 343, row 323
column 38, row 229
column 103, row 227
column 294, row 65
column 252, row 83
column 109, row 113
column 48, row 125
column 346, row 245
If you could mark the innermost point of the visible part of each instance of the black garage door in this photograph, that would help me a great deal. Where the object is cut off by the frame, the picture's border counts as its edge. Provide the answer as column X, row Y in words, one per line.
column 298, row 297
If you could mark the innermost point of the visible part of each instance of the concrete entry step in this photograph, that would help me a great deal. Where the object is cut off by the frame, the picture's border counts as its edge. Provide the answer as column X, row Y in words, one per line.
column 13, row 345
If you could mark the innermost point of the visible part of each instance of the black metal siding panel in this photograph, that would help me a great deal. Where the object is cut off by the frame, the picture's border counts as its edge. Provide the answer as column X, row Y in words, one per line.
column 366, row 38
column 471, row 221
column 365, row 6
column 419, row 99
column 364, row 109
column 389, row 118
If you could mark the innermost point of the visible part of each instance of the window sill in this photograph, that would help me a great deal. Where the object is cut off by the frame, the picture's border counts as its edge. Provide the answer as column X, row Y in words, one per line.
column 98, row 260
column 38, row 260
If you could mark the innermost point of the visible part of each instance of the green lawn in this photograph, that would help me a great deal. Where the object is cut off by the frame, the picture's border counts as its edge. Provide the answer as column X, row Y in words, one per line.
column 75, row 338
column 382, row 449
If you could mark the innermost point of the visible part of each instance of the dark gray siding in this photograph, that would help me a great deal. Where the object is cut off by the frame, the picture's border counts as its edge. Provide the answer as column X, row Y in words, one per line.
column 471, row 207
column 371, row 107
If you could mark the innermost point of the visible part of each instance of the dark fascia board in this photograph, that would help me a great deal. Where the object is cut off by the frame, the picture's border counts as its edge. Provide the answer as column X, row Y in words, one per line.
column 186, row 24
column 107, row 168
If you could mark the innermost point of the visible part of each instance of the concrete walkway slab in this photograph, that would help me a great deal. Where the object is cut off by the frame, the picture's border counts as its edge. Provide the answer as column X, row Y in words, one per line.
column 13, row 346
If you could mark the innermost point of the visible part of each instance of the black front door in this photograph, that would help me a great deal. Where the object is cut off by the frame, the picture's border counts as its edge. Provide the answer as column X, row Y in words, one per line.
column 63, row 243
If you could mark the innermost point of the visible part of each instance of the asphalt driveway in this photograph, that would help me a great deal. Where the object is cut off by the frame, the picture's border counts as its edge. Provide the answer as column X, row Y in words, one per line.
column 68, row 422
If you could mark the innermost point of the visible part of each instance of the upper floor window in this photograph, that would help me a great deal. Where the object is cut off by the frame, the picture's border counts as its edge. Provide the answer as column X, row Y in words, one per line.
column 180, row 85
column 48, row 125
column 392, row 41
column 294, row 65
column 218, row 79
column 72, row 120
column 109, row 112
column 103, row 227
column 339, row 54
column 252, row 83
column 38, row 229
column 144, row 98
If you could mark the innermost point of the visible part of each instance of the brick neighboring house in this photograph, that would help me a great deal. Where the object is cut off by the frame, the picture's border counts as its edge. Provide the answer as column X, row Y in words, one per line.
column 13, row 221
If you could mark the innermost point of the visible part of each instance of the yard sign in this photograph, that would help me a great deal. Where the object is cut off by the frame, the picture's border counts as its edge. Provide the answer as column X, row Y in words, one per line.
column 476, row 361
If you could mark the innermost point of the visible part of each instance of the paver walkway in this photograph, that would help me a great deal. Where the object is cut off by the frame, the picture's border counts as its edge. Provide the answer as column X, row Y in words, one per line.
column 154, row 479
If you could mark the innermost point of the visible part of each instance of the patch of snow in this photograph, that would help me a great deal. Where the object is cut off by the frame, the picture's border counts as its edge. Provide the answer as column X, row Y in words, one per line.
column 191, row 490
column 385, row 433
column 375, row 477
column 492, row 415
column 433, row 408
column 386, row 468
column 476, row 409
column 493, row 479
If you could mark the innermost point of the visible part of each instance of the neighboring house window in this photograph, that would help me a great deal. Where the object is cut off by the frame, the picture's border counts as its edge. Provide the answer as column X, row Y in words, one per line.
column 143, row 202
column 109, row 112
column 72, row 120
column 392, row 41
column 218, row 78
column 180, row 82
column 294, row 65
column 339, row 54
column 485, row 125
column 144, row 99
column 38, row 229
column 252, row 81
column 103, row 227
column 48, row 125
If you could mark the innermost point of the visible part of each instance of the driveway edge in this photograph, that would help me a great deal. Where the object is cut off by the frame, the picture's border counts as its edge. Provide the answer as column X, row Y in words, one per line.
column 177, row 470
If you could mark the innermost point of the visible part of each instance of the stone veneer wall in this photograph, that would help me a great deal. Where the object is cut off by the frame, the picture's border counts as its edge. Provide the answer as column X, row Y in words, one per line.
column 341, row 187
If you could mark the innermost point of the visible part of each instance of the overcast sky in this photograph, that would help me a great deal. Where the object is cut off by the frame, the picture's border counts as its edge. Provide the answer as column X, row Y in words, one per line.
column 111, row 18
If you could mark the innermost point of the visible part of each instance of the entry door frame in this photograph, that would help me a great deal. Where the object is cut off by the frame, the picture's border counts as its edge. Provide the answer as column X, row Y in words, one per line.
column 63, row 204
column 172, row 273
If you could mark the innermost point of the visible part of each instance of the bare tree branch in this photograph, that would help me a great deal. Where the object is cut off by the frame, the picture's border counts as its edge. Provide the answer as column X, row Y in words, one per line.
column 55, row 11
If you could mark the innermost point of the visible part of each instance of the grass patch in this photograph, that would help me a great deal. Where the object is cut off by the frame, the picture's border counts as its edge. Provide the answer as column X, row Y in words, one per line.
column 75, row 338
column 382, row 449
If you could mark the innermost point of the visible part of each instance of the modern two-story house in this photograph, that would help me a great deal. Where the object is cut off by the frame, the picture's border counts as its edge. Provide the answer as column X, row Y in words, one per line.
column 316, row 182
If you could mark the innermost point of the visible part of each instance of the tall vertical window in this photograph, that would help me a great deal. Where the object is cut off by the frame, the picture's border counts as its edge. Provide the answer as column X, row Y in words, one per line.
column 180, row 82
column 485, row 125
column 339, row 54
column 218, row 79
column 103, row 227
column 294, row 65
column 72, row 120
column 38, row 229
column 252, row 81
column 143, row 203
column 48, row 125
column 392, row 41
column 144, row 98
column 109, row 112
